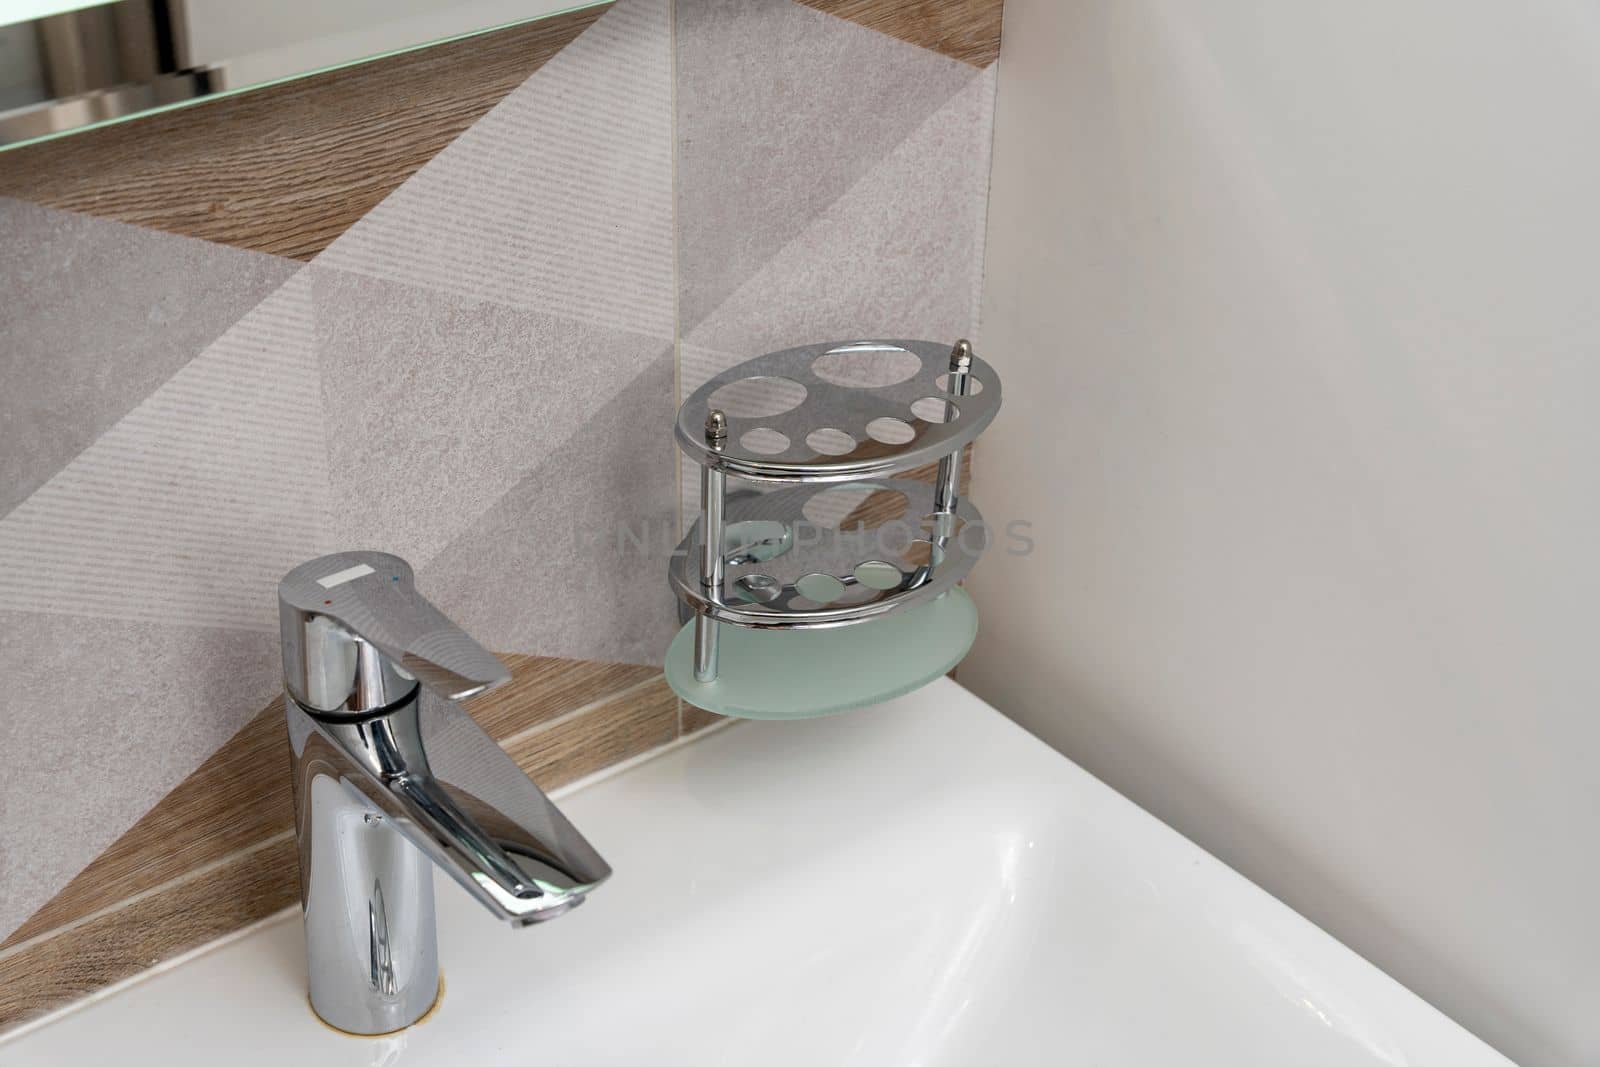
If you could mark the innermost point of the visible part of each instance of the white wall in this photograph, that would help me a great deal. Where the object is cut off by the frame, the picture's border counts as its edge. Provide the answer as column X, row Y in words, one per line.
column 1298, row 308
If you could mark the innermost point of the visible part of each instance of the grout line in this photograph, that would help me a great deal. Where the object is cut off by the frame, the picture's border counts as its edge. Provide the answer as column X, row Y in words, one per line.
column 168, row 964
column 567, row 716
column 680, row 740
column 283, row 835
column 642, row 758
column 145, row 894
column 677, row 266
column 985, row 219
column 247, row 930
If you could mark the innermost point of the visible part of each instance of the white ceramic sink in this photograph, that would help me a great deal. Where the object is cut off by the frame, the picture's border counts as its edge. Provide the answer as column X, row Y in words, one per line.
column 918, row 884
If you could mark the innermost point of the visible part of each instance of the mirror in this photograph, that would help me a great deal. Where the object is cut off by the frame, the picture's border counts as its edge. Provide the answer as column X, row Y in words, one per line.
column 67, row 66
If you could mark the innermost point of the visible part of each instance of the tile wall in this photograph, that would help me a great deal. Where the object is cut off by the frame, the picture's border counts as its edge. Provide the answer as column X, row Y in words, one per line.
column 249, row 332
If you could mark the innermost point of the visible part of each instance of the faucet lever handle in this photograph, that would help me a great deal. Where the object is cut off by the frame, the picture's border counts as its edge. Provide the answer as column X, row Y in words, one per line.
column 357, row 637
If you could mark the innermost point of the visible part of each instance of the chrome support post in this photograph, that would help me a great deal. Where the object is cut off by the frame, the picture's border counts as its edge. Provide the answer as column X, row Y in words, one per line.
column 948, row 482
column 713, row 493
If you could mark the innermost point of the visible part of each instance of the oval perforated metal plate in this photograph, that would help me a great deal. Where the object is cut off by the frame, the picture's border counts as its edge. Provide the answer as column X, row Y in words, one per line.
column 845, row 408
column 929, row 552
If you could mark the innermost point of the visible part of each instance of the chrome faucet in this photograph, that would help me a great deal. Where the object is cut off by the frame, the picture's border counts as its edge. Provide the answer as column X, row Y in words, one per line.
column 391, row 776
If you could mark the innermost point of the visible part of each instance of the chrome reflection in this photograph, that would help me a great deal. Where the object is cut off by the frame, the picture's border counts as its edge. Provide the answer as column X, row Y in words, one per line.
column 69, row 65
column 391, row 776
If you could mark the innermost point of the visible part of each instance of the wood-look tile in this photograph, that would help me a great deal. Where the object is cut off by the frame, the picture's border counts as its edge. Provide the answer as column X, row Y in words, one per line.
column 39, row 976
column 236, row 798
column 692, row 719
column 43, row 973
column 543, row 688
column 287, row 168
column 625, row 726
column 246, row 876
column 968, row 30
column 241, row 795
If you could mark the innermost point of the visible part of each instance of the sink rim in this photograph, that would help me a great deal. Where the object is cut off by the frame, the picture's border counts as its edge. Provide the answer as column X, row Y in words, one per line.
column 872, row 760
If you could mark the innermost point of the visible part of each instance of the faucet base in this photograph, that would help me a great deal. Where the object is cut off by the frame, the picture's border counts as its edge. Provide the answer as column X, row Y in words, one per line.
column 391, row 778
column 437, row 1000
column 371, row 950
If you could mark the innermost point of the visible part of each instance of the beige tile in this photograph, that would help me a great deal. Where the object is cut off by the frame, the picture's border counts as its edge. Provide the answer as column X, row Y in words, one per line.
column 287, row 168
column 968, row 30
column 189, row 509
column 107, row 717
column 240, row 796
column 487, row 393
column 38, row 976
column 628, row 725
column 692, row 719
column 97, row 315
column 898, row 254
column 237, row 888
column 544, row 688
column 559, row 199
column 781, row 110
column 236, row 799
column 572, row 560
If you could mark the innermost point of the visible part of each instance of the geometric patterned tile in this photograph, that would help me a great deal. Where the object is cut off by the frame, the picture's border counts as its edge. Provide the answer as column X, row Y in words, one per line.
column 781, row 109
column 559, row 199
column 899, row 254
column 97, row 314
column 286, row 168
column 437, row 406
column 572, row 561
column 103, row 718
column 190, row 508
column 968, row 30
column 478, row 375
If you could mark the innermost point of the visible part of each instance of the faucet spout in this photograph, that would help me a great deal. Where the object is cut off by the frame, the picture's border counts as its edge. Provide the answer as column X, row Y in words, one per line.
column 391, row 778
column 455, row 795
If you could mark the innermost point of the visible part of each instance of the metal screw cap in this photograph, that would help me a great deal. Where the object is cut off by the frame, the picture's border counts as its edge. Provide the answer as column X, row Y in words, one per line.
column 716, row 426
column 961, row 355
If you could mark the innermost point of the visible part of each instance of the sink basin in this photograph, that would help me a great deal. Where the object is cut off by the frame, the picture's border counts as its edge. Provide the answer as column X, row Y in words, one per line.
column 921, row 883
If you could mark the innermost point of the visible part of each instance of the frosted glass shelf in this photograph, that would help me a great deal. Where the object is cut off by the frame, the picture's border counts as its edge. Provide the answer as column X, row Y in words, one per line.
column 800, row 674
column 836, row 588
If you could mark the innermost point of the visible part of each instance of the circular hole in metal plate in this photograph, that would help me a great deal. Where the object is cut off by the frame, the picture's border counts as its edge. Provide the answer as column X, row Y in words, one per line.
column 923, row 553
column 974, row 386
column 866, row 365
column 819, row 587
column 891, row 431
column 878, row 574
column 756, row 541
column 935, row 409
column 854, row 507
column 830, row 442
column 758, row 398
column 764, row 441
column 758, row 588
